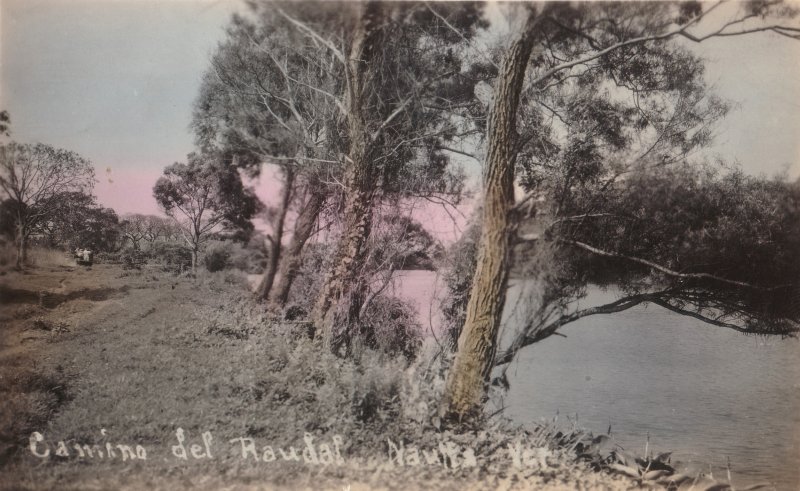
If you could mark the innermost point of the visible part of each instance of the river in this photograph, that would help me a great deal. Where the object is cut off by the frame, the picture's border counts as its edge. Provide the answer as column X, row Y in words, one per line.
column 706, row 393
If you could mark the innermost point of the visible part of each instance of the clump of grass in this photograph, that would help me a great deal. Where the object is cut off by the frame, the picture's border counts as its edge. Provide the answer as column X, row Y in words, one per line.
column 47, row 325
column 45, row 257
column 30, row 398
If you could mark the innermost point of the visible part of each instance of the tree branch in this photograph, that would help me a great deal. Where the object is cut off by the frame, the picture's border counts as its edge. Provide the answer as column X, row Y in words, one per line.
column 666, row 270
column 311, row 32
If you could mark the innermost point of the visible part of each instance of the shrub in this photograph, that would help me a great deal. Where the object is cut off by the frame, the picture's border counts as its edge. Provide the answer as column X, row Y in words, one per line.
column 47, row 257
column 173, row 257
column 251, row 257
column 216, row 257
column 108, row 257
column 390, row 325
column 133, row 258
column 308, row 282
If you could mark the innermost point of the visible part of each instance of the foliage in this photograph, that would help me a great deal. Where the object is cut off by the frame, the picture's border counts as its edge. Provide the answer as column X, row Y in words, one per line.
column 402, row 243
column 133, row 258
column 35, row 178
column 389, row 325
column 316, row 258
column 8, row 218
column 172, row 257
column 5, row 122
column 205, row 196
column 216, row 257
column 136, row 228
column 250, row 257
column 693, row 220
column 80, row 222
column 459, row 270
column 607, row 93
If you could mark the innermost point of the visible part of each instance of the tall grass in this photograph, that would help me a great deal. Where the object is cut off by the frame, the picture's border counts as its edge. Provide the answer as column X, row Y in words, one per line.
column 45, row 257
column 37, row 256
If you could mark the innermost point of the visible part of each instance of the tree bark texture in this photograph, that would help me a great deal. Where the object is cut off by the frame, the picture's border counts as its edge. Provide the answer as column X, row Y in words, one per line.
column 333, row 311
column 265, row 287
column 22, row 247
column 468, row 376
column 292, row 258
column 195, row 254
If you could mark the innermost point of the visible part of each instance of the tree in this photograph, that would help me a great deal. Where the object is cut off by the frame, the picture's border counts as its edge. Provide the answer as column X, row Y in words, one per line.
column 570, row 43
column 149, row 228
column 80, row 222
column 398, row 242
column 285, row 89
column 204, row 196
column 263, row 102
column 35, row 177
column 386, row 102
column 135, row 228
column 716, row 247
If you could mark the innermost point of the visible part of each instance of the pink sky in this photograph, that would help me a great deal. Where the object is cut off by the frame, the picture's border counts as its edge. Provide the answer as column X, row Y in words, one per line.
column 130, row 191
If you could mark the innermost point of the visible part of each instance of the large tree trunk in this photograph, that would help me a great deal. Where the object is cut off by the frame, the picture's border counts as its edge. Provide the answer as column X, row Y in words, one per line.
column 467, row 379
column 265, row 287
column 194, row 261
column 333, row 311
column 22, row 247
column 303, row 228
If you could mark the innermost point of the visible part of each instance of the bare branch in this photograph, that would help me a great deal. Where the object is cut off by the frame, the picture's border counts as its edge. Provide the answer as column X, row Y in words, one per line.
column 665, row 270
column 311, row 32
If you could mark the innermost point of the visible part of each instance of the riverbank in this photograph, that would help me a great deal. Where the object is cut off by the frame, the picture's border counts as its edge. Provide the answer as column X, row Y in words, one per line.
column 141, row 380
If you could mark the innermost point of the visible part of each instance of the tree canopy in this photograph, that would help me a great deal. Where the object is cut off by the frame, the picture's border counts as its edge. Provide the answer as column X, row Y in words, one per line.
column 36, row 177
column 585, row 95
column 205, row 196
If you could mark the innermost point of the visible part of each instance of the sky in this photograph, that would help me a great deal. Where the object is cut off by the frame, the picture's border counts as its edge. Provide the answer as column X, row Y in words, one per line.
column 114, row 80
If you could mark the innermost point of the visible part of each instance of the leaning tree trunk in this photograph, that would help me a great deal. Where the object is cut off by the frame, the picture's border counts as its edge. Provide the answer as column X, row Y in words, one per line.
column 265, row 287
column 467, row 379
column 303, row 228
column 332, row 314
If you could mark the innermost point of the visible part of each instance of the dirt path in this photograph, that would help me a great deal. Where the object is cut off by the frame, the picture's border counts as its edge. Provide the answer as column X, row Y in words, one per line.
column 102, row 357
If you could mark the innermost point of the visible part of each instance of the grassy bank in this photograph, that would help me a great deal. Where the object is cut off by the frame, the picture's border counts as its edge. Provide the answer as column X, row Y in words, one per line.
column 101, row 358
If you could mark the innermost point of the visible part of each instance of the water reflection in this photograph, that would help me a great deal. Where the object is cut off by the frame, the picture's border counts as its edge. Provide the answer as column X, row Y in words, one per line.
column 703, row 392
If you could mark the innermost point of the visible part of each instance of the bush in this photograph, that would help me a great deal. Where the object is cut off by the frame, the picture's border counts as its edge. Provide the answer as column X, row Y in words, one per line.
column 216, row 257
column 48, row 257
column 173, row 257
column 250, row 258
column 308, row 282
column 109, row 257
column 390, row 325
column 133, row 259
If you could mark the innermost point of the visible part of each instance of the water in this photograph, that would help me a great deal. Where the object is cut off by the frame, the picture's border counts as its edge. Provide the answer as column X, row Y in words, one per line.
column 703, row 392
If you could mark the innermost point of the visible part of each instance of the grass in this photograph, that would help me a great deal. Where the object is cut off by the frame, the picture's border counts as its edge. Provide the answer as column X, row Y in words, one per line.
column 159, row 352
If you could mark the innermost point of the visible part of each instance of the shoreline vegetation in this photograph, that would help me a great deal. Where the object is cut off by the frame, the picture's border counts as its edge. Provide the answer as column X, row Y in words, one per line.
column 134, row 379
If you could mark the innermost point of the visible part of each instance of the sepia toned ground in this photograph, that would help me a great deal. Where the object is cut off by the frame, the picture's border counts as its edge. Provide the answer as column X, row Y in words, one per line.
column 101, row 357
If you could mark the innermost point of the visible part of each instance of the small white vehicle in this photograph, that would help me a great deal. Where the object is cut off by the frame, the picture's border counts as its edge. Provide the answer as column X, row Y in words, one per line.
column 84, row 256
